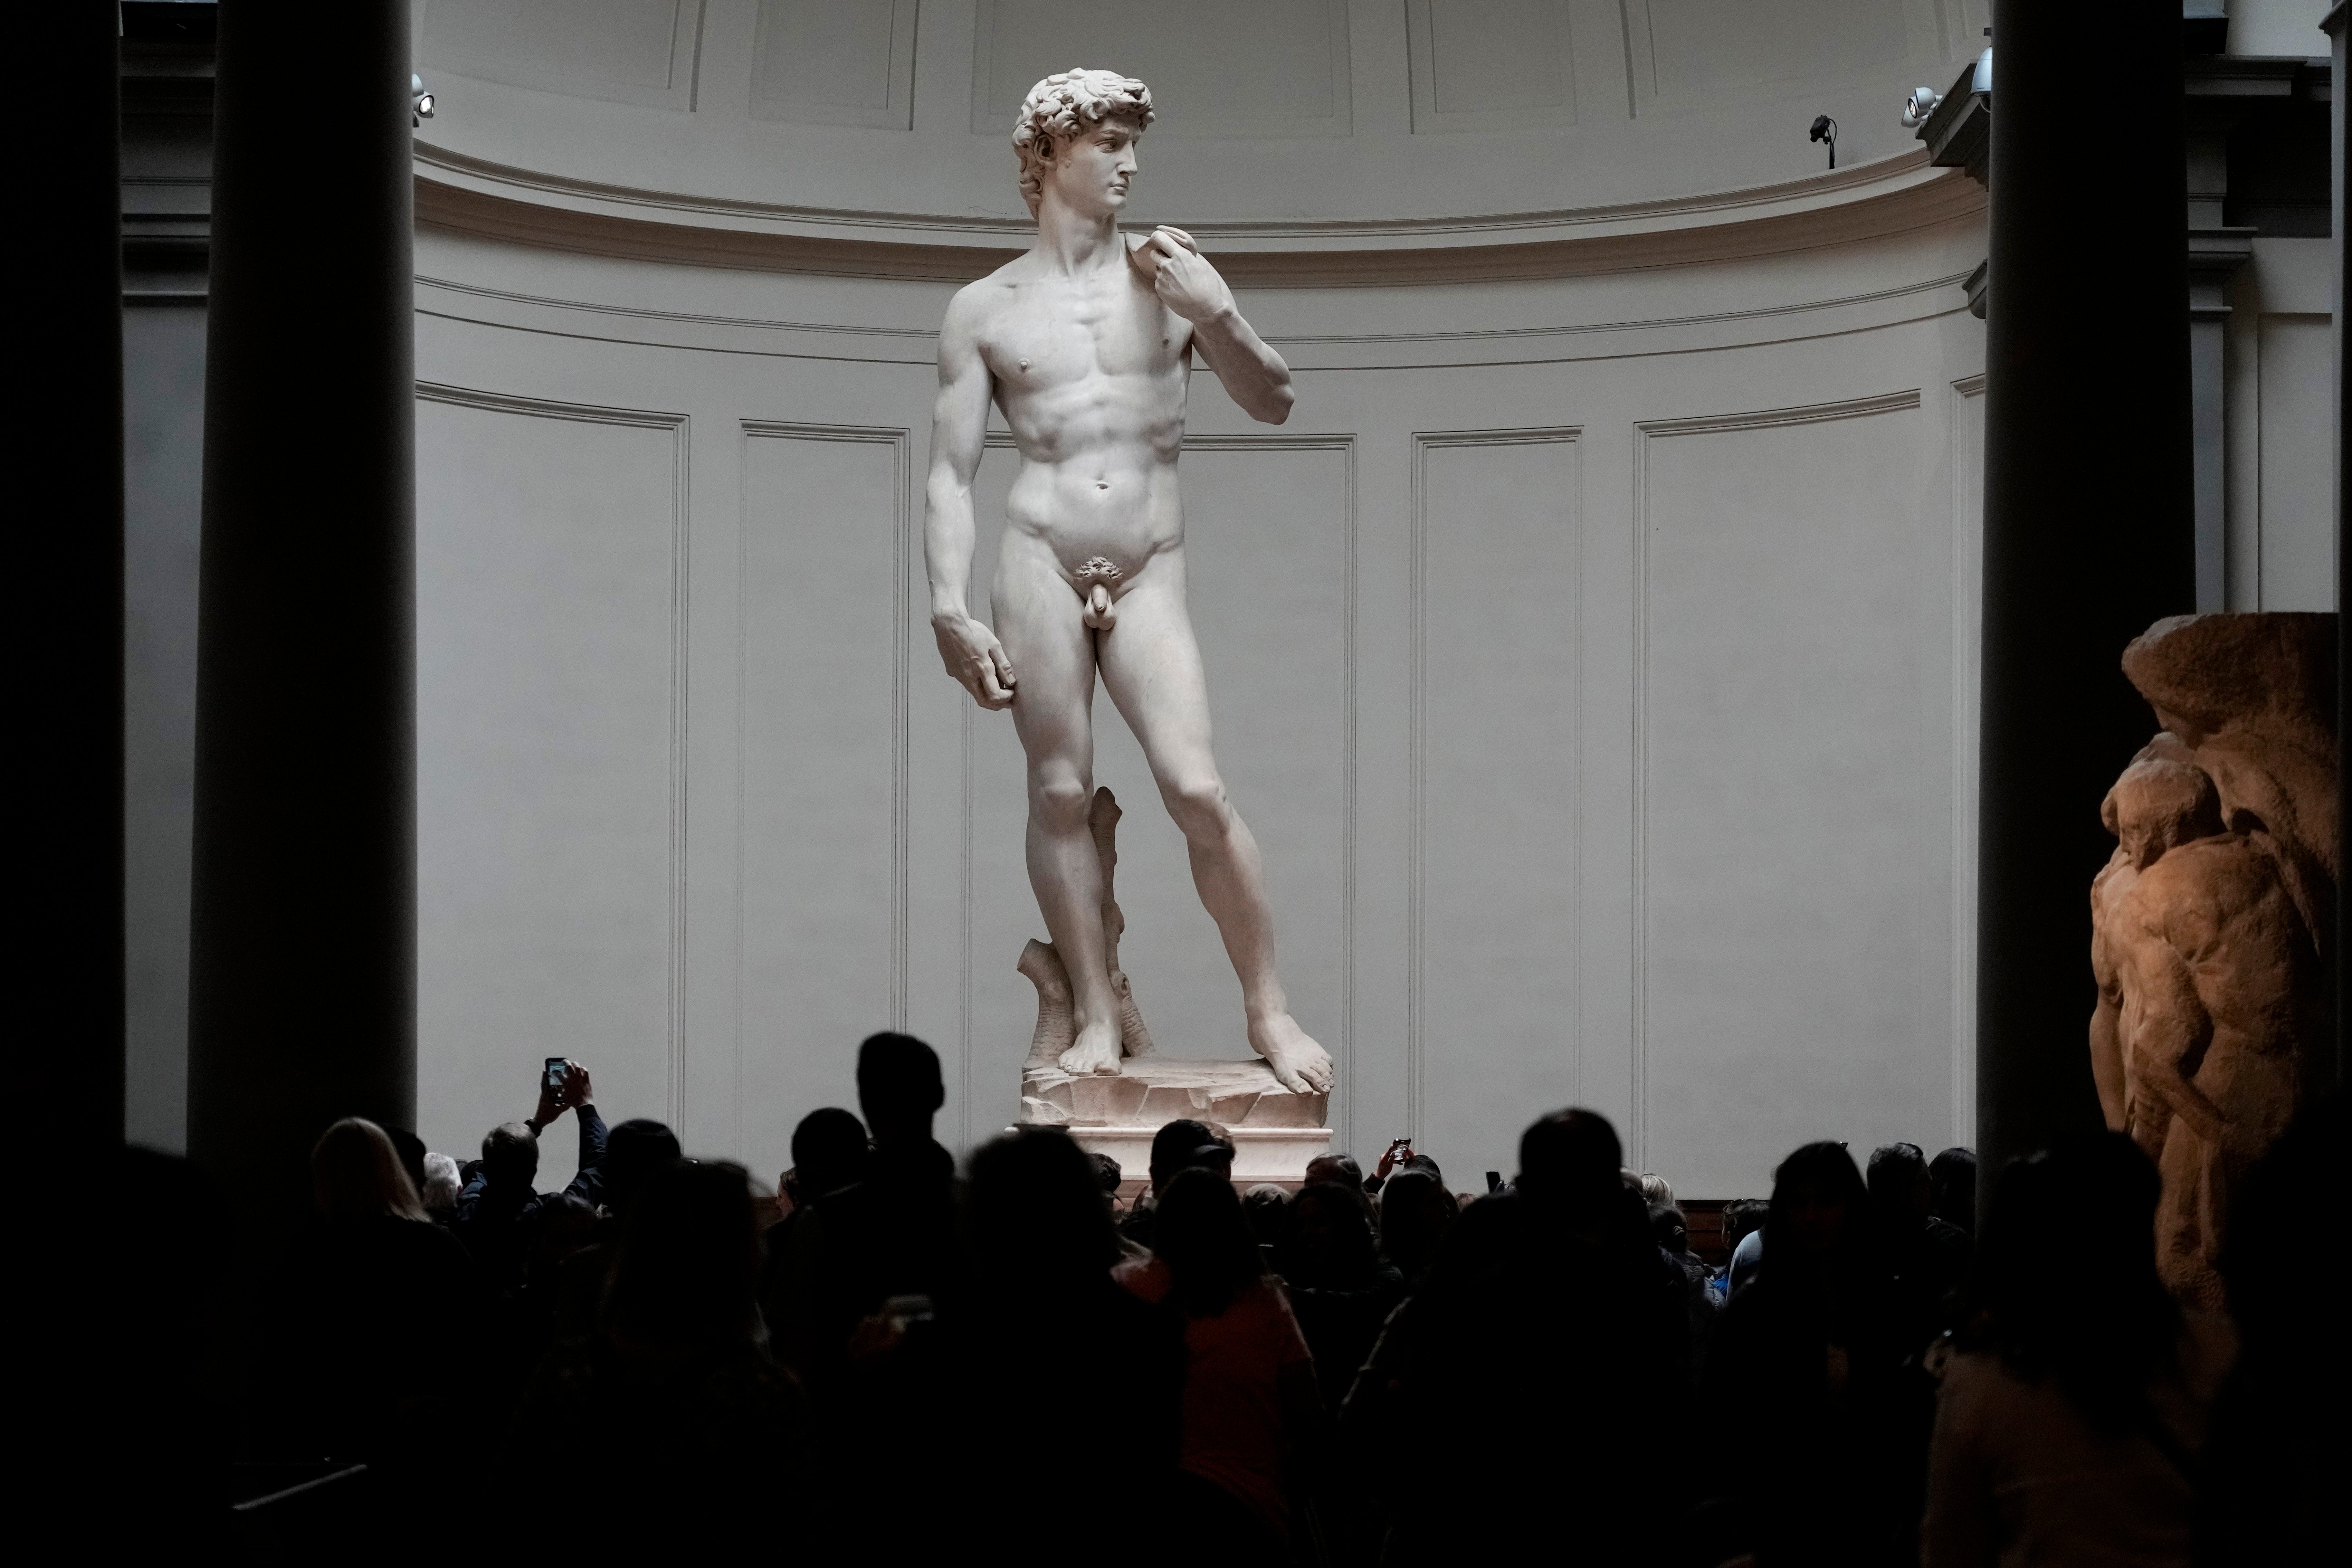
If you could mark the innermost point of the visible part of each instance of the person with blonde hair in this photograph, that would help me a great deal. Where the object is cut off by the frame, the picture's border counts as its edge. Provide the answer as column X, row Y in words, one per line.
column 371, row 1358
column 356, row 1173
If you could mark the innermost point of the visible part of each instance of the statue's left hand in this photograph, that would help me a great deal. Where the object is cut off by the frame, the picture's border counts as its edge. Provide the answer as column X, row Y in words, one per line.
column 1184, row 280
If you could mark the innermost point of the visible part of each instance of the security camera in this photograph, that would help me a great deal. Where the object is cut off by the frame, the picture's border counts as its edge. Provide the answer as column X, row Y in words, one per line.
column 1919, row 105
column 1825, row 130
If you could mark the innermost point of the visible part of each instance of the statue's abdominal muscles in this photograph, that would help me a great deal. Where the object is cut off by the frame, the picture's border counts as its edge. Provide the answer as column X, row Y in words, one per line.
column 1098, row 480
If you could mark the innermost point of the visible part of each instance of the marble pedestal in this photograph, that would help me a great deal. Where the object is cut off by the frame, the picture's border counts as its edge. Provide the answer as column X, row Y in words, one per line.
column 1274, row 1132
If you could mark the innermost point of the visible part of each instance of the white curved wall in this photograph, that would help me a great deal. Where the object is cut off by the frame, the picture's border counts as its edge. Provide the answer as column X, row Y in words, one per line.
column 1271, row 112
column 1591, row 651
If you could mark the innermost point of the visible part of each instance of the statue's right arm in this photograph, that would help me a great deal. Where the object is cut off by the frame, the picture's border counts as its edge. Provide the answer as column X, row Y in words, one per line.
column 959, row 427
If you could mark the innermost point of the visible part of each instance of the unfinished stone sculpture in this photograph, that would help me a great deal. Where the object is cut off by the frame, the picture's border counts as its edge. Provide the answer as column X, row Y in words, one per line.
column 2251, row 699
column 1041, row 964
column 2207, row 922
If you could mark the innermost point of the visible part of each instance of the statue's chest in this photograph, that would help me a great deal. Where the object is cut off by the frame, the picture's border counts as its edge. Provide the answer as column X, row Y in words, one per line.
column 1068, row 335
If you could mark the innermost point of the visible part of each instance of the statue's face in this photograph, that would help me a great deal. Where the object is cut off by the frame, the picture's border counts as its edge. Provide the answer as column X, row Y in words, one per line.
column 1090, row 175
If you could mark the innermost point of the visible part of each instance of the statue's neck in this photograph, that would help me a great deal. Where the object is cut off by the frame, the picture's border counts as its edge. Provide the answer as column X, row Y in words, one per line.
column 1072, row 242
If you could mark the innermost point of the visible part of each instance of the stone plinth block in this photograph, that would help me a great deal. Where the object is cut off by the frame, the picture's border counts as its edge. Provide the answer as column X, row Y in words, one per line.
column 1275, row 1131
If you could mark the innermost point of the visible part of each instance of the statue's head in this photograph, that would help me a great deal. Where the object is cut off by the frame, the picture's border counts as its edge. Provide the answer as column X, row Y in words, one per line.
column 1077, row 130
column 2159, row 804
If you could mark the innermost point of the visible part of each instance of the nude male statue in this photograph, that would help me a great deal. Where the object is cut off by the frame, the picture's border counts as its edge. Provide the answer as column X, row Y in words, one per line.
column 2203, row 963
column 1086, row 346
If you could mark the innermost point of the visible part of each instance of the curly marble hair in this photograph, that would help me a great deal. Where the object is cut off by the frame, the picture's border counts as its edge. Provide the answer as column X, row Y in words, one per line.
column 1062, row 106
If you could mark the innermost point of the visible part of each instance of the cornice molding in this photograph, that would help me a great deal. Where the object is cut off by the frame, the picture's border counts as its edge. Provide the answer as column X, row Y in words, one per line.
column 1869, row 201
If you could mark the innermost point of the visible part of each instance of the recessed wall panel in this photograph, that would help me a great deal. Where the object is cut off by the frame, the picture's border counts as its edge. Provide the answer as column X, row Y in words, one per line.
column 835, row 62
column 1490, row 65
column 1778, row 909
column 1497, row 706
column 629, row 51
column 820, row 835
column 1215, row 67
column 548, row 540
column 1705, row 54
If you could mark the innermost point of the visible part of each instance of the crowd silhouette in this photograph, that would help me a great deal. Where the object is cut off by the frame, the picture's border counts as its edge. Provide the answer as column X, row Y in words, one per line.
column 892, row 1361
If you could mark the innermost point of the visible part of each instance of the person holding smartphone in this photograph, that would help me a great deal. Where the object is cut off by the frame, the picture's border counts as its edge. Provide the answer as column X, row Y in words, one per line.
column 501, row 1200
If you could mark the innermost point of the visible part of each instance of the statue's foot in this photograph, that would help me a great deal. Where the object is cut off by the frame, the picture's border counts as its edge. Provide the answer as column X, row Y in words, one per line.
column 1096, row 1050
column 1300, row 1064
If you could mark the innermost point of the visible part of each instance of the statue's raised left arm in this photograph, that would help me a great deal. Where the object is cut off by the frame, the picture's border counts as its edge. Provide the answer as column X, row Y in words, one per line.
column 1254, row 376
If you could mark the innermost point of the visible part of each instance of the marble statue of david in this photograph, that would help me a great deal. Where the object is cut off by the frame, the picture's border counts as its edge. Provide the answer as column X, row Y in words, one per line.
column 1087, row 345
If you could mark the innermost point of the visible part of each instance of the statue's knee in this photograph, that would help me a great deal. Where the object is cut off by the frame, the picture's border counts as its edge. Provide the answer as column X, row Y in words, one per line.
column 1060, row 804
column 1199, row 805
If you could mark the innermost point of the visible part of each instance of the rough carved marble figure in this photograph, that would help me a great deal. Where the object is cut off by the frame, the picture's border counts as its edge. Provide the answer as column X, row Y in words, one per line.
column 2207, row 922
column 1086, row 343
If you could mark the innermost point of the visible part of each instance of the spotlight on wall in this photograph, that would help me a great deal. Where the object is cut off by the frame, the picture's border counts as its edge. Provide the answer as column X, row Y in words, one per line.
column 1825, row 130
column 1919, row 105
column 420, row 103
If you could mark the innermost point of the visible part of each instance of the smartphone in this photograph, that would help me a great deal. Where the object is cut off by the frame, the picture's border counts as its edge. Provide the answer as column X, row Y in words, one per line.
column 557, row 1069
column 1494, row 1181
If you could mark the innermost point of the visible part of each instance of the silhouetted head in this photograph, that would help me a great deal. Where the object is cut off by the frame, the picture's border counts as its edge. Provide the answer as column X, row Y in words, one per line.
column 1267, row 1209
column 566, row 1223
column 1217, row 1154
column 1034, row 1220
column 1206, row 1243
column 411, row 1150
column 2066, row 1273
column 829, row 1151
column 1416, row 1211
column 356, row 1174
column 898, row 1086
column 1655, row 1191
column 1331, row 1235
column 1899, row 1190
column 1670, row 1228
column 1335, row 1168
column 1818, row 1212
column 1422, row 1163
column 1572, row 1158
column 442, row 1183
column 1172, row 1149
column 1742, row 1219
column 511, row 1154
column 1952, row 1187
column 636, row 1150
column 687, row 1275
column 1107, row 1173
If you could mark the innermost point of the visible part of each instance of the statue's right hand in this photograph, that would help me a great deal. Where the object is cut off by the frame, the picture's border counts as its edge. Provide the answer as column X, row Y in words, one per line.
column 975, row 658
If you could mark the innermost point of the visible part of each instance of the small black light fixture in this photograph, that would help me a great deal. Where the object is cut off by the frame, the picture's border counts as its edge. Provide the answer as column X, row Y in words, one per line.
column 1825, row 130
column 420, row 103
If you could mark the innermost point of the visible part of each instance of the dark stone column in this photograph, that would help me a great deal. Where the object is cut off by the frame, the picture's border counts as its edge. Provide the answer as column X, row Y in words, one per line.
column 66, row 578
column 2340, row 205
column 2088, row 520
column 302, row 957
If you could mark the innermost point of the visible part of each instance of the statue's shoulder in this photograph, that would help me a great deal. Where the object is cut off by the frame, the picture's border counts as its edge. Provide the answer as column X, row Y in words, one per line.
column 983, row 297
column 978, row 305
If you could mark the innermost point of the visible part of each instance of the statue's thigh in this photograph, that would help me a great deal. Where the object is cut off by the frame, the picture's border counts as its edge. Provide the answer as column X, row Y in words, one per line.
column 1037, row 620
column 1151, row 668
